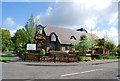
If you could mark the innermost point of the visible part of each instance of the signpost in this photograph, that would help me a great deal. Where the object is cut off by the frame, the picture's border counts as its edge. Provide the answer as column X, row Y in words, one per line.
column 31, row 46
column 39, row 37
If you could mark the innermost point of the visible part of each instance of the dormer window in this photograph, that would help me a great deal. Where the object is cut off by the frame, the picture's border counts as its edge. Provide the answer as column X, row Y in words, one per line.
column 53, row 37
column 73, row 37
column 39, row 30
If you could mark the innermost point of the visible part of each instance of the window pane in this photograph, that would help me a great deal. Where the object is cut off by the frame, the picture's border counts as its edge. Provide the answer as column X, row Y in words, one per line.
column 53, row 38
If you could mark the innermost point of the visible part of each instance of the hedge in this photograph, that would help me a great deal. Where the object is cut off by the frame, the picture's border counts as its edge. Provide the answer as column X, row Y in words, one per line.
column 96, row 56
column 7, row 55
column 110, row 57
column 75, row 52
column 84, row 58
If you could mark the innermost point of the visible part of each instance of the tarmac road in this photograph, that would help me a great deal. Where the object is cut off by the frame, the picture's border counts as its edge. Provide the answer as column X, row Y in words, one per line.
column 19, row 70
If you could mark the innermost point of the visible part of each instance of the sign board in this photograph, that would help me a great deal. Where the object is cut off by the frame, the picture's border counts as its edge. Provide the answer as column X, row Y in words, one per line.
column 31, row 46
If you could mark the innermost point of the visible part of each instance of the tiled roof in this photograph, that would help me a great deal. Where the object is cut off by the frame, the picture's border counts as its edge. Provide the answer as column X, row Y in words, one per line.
column 64, row 34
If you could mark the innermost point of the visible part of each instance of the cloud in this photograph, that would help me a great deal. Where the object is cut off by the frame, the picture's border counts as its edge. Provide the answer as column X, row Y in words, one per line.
column 83, row 13
column 112, row 37
column 113, row 19
column 12, row 32
column 19, row 26
column 9, row 22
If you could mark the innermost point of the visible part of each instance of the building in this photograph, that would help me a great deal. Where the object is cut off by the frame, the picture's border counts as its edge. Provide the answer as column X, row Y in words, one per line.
column 61, row 39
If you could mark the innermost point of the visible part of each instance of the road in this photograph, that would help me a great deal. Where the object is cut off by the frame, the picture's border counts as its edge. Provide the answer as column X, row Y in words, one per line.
column 19, row 70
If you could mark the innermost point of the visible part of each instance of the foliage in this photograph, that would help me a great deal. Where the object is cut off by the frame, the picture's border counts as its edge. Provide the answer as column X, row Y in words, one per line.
column 30, row 29
column 57, row 52
column 24, row 36
column 118, row 57
column 84, row 43
column 76, row 46
column 42, row 52
column 6, row 40
column 84, row 58
column 0, row 40
column 109, row 45
column 75, row 52
column 109, row 57
column 5, row 58
column 118, row 51
column 19, row 38
column 7, row 55
column 96, row 56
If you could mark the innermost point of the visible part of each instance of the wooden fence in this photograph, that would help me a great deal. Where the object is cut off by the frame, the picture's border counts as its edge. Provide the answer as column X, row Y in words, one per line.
column 50, row 58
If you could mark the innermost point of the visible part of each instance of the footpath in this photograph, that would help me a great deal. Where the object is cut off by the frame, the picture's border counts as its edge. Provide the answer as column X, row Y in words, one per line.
column 83, row 63
column 96, row 62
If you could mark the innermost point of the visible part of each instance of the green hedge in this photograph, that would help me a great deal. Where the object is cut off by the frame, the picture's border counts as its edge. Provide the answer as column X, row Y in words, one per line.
column 7, row 55
column 75, row 52
column 96, row 56
column 5, row 58
column 57, row 52
column 110, row 57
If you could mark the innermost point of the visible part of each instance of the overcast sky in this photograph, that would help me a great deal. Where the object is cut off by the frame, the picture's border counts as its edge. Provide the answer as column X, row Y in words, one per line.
column 100, row 15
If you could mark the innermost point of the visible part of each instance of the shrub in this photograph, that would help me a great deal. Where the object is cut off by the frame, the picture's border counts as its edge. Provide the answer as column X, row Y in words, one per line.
column 88, row 58
column 75, row 52
column 57, row 52
column 42, row 52
column 7, row 55
column 83, row 58
column 118, row 57
column 96, row 56
column 109, row 57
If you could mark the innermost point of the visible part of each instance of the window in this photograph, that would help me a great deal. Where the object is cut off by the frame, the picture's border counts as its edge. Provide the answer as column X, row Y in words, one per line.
column 67, row 47
column 73, row 37
column 53, row 37
column 39, row 29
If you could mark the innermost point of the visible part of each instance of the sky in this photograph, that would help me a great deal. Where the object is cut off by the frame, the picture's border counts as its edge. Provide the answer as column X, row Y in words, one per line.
column 99, row 15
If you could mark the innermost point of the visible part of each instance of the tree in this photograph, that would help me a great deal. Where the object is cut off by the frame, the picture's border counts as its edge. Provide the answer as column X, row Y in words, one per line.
column 92, row 40
column 30, row 29
column 19, row 38
column 6, row 39
column 84, row 44
column 0, row 40
column 109, row 45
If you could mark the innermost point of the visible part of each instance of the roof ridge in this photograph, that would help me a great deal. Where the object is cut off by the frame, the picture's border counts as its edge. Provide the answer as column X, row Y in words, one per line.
column 60, row 27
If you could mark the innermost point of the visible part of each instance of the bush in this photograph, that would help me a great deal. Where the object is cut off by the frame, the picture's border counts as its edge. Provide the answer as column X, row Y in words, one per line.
column 109, row 57
column 42, row 52
column 7, row 55
column 88, row 58
column 83, row 58
column 96, row 56
column 57, row 52
column 118, row 57
column 75, row 52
